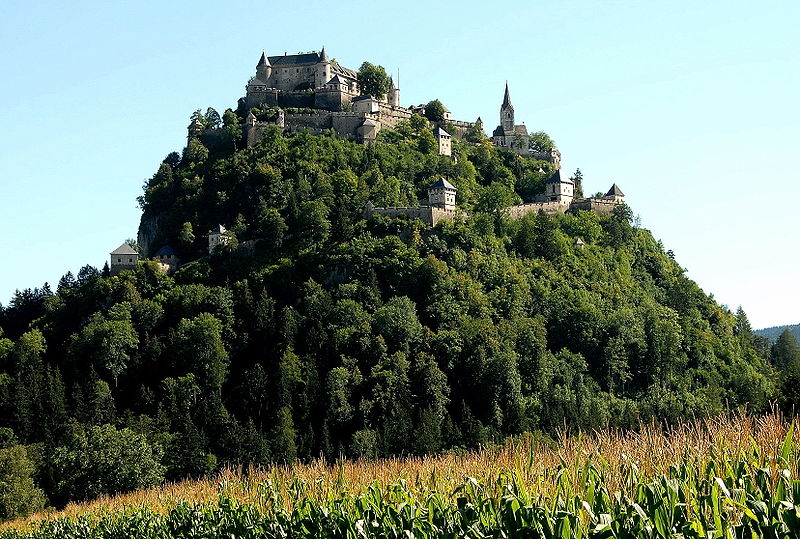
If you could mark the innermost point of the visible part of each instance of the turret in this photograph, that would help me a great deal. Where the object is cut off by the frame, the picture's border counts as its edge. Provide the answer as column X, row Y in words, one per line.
column 323, row 56
column 442, row 194
column 507, row 113
column 616, row 194
column 559, row 190
column 393, row 96
column 264, row 68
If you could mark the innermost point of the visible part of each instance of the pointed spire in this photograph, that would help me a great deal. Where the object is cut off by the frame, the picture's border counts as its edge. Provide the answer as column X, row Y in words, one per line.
column 322, row 54
column 506, row 98
column 263, row 62
column 392, row 84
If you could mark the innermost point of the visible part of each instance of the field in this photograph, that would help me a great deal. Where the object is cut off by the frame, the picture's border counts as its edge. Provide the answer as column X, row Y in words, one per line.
column 732, row 476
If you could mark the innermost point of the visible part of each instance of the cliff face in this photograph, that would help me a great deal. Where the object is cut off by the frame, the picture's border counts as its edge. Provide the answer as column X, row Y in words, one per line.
column 148, row 231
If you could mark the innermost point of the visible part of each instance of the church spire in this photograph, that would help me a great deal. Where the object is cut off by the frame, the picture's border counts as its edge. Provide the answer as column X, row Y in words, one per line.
column 507, row 98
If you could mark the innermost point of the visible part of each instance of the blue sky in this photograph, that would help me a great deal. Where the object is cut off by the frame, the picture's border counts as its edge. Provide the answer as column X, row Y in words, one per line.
column 690, row 107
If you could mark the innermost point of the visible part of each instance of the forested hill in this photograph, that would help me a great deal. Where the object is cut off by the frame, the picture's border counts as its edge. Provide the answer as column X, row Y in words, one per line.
column 334, row 335
column 772, row 334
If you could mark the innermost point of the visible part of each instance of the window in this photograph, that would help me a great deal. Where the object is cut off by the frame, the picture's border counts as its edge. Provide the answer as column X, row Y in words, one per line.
column 130, row 260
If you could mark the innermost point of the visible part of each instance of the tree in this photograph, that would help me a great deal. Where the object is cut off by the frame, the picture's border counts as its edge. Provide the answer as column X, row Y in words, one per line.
column 231, row 129
column 476, row 133
column 373, row 80
column 103, row 460
column 577, row 179
column 785, row 352
column 435, row 111
column 186, row 235
column 19, row 495
column 199, row 349
column 540, row 142
column 212, row 119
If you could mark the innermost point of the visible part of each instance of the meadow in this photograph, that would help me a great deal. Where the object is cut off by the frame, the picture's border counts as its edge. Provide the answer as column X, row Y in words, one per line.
column 729, row 476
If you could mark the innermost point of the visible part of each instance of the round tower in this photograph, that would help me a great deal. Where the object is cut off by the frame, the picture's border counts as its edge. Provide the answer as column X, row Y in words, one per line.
column 264, row 68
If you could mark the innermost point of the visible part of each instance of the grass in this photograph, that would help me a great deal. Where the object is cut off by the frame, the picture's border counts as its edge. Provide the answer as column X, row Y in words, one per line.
column 688, row 468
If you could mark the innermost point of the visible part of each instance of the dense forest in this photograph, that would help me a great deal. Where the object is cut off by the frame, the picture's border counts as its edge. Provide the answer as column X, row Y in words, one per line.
column 335, row 335
column 773, row 333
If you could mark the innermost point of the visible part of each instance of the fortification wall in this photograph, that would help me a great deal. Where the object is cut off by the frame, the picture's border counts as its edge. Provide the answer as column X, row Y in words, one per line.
column 316, row 121
column 422, row 213
column 437, row 214
column 346, row 123
column 550, row 208
column 304, row 99
column 601, row 206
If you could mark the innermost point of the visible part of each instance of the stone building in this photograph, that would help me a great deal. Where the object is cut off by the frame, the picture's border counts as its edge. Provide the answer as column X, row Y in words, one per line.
column 441, row 205
column 443, row 139
column 124, row 257
column 302, row 80
column 167, row 258
column 558, row 189
column 216, row 237
column 507, row 135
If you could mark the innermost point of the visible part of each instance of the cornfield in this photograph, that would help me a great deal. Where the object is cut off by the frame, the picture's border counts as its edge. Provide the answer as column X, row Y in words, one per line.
column 726, row 477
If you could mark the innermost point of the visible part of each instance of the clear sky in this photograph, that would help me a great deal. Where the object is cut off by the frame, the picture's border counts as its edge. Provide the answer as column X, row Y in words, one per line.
column 690, row 107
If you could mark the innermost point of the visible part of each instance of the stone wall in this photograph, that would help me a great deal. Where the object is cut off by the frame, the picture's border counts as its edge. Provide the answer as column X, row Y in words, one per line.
column 601, row 206
column 550, row 208
column 430, row 215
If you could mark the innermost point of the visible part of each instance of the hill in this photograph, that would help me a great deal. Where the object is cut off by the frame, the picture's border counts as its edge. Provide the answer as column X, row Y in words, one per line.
column 318, row 331
column 772, row 334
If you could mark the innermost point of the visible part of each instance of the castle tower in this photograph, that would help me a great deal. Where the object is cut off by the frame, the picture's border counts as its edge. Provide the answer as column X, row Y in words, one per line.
column 264, row 68
column 323, row 70
column 616, row 193
column 507, row 113
column 393, row 96
column 443, row 138
column 559, row 190
column 123, row 257
column 218, row 236
column 442, row 194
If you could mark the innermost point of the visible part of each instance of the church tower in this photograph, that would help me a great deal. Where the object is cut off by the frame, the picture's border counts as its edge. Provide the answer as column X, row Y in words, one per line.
column 264, row 68
column 507, row 113
column 393, row 96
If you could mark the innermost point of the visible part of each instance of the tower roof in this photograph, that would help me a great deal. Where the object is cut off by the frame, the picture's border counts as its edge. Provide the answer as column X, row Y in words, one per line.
column 166, row 250
column 219, row 229
column 264, row 61
column 556, row 178
column 322, row 54
column 439, row 132
column 442, row 183
column 615, row 191
column 124, row 249
column 507, row 98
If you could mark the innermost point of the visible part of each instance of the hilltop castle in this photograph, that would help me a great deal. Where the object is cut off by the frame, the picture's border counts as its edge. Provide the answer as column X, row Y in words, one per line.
column 312, row 92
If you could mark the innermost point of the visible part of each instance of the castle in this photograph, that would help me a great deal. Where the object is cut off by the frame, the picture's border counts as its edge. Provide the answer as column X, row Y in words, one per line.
column 559, row 197
column 329, row 97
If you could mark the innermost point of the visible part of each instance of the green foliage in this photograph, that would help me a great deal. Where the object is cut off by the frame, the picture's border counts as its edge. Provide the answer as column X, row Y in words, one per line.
column 435, row 111
column 104, row 460
column 540, row 142
column 19, row 495
column 331, row 334
column 373, row 80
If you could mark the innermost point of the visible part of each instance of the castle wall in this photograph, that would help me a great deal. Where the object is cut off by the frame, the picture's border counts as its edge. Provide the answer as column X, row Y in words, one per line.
column 601, row 206
column 313, row 122
column 429, row 215
column 550, row 208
